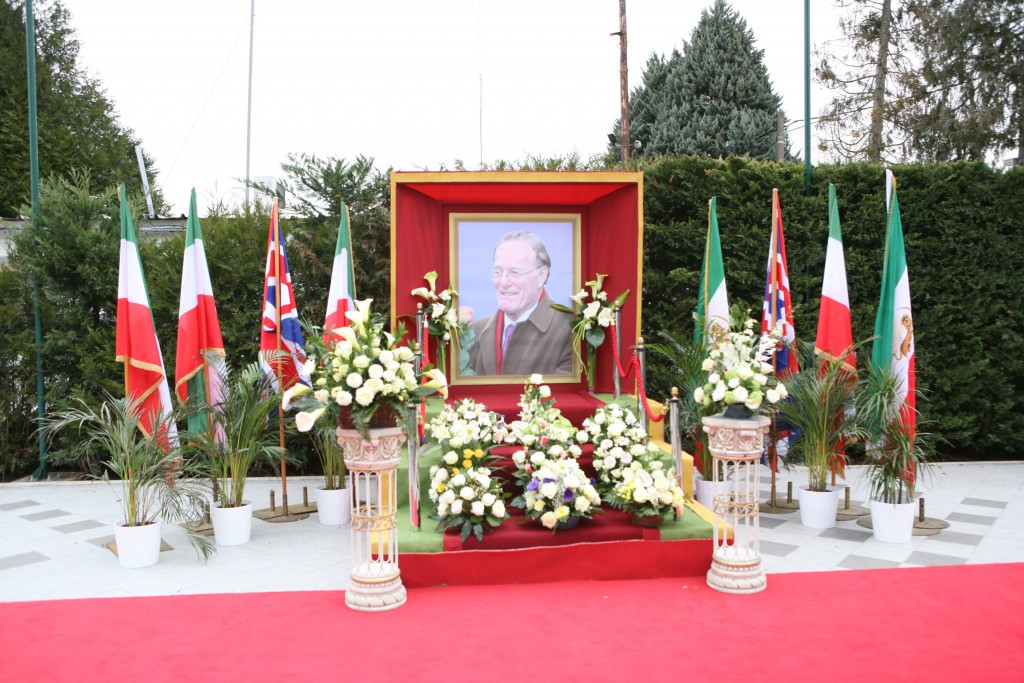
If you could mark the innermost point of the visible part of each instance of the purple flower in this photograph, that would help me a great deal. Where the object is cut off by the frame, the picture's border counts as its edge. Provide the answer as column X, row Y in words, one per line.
column 568, row 496
column 533, row 485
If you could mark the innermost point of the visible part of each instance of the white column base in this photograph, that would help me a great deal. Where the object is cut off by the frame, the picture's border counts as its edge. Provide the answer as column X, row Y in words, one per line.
column 737, row 578
column 378, row 596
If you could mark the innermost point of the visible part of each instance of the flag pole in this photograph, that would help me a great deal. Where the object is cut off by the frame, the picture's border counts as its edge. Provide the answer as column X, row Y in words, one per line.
column 278, row 234
column 773, row 310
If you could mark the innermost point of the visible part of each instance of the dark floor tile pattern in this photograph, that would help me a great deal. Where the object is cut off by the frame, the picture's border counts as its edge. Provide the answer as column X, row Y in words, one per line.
column 17, row 505
column 84, row 525
column 969, row 518
column 21, row 560
column 46, row 514
column 861, row 562
column 985, row 503
column 924, row 559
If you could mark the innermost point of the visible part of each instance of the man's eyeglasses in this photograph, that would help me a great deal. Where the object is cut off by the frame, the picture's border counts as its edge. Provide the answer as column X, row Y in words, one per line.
column 514, row 274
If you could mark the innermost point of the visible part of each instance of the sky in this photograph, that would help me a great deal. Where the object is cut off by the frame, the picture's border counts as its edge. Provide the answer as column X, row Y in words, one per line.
column 415, row 84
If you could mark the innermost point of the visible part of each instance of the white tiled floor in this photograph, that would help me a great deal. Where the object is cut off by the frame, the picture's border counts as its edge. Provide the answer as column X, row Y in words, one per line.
column 52, row 537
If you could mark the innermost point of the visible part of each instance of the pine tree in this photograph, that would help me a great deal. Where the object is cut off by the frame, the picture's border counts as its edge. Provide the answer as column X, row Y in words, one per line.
column 714, row 99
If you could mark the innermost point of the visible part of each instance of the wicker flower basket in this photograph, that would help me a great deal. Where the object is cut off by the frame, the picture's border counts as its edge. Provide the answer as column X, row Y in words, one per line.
column 385, row 416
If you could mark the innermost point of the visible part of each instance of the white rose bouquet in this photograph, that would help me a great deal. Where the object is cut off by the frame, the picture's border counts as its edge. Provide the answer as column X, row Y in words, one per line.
column 596, row 313
column 558, row 492
column 470, row 500
column 467, row 425
column 364, row 374
column 540, row 425
column 645, row 487
column 739, row 370
column 442, row 317
column 617, row 437
column 529, row 459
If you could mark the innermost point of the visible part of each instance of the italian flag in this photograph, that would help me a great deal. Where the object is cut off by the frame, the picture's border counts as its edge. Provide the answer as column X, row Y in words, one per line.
column 712, row 301
column 835, row 332
column 136, row 345
column 341, row 296
column 894, row 327
column 198, row 326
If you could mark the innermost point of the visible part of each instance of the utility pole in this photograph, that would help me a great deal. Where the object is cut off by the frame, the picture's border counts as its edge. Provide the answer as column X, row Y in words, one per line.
column 248, row 113
column 41, row 471
column 780, row 138
column 624, row 143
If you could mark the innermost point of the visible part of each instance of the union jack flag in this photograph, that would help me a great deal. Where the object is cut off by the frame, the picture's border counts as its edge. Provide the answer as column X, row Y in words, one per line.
column 778, row 304
column 778, row 308
column 281, row 356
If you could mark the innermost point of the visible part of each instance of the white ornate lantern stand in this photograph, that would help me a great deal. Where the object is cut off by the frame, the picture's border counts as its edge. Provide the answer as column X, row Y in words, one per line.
column 376, row 584
column 736, row 446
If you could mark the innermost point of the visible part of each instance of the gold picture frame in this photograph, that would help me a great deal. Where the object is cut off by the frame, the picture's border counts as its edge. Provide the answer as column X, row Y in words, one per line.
column 472, row 239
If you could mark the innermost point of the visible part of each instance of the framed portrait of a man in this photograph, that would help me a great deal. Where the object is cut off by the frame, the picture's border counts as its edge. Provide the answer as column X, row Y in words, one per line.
column 508, row 270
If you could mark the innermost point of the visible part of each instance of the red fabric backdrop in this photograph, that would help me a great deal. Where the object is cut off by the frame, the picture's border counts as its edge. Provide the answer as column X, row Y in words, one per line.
column 610, row 204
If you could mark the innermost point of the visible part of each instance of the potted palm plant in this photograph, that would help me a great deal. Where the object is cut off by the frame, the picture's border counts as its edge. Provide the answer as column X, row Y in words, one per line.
column 333, row 499
column 895, row 458
column 156, row 485
column 242, row 432
column 821, row 398
column 686, row 358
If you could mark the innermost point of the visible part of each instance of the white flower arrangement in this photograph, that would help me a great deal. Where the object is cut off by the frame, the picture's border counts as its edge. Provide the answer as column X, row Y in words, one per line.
column 467, row 425
column 617, row 437
column 443, row 318
column 540, row 424
column 592, row 319
column 645, row 487
column 739, row 370
column 527, row 460
column 363, row 371
column 557, row 491
column 469, row 499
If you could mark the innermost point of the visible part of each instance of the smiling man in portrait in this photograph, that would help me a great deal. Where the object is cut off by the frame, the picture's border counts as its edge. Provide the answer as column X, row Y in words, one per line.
column 525, row 335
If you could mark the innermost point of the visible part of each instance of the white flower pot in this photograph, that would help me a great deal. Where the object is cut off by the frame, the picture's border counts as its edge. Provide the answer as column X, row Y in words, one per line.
column 818, row 508
column 705, row 491
column 892, row 522
column 232, row 526
column 334, row 506
column 137, row 546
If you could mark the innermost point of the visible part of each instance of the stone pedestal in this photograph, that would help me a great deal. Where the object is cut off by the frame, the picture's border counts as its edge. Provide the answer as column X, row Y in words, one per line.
column 372, row 463
column 736, row 446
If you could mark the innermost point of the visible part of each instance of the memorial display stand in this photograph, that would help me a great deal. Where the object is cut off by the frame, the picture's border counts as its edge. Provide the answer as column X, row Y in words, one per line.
column 736, row 446
column 372, row 463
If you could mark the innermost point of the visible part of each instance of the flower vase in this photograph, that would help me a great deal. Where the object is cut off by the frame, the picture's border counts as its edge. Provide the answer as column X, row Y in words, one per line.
column 591, row 368
column 567, row 523
column 738, row 411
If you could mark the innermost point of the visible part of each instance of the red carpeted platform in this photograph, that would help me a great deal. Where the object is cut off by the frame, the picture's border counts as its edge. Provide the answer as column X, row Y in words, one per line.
column 935, row 624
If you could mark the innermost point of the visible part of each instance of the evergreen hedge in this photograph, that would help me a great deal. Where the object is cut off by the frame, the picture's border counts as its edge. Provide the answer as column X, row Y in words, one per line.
column 963, row 230
column 962, row 226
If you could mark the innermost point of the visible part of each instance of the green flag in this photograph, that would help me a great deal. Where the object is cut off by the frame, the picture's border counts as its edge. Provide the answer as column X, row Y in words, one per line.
column 712, row 301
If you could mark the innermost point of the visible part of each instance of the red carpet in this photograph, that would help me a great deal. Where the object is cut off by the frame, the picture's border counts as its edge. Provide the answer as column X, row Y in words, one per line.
column 931, row 624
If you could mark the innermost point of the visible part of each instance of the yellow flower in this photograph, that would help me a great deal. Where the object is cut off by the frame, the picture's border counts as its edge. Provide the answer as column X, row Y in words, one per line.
column 478, row 453
column 467, row 463
column 467, row 452
column 441, row 487
column 455, row 470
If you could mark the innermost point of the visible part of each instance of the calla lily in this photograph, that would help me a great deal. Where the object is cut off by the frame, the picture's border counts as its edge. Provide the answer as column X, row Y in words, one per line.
column 296, row 390
column 348, row 334
column 421, row 292
column 431, row 278
column 304, row 421
column 436, row 382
